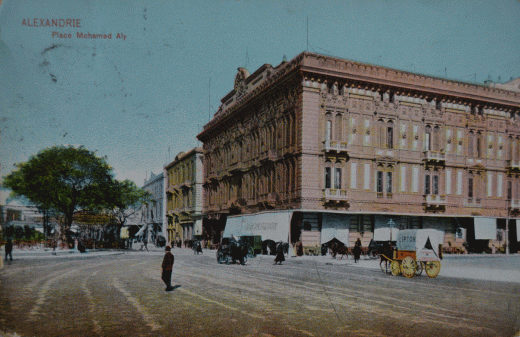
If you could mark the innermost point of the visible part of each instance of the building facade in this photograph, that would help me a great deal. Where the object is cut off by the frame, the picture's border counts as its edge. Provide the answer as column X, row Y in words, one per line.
column 345, row 148
column 152, row 213
column 184, row 196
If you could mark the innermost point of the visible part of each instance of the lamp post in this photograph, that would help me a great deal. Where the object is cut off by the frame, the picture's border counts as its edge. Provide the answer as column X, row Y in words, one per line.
column 507, row 229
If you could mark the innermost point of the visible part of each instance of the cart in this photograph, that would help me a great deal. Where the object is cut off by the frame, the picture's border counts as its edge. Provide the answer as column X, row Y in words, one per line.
column 417, row 250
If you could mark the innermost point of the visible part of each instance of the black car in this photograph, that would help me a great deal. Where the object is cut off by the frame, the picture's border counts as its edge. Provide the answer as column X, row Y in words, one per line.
column 232, row 251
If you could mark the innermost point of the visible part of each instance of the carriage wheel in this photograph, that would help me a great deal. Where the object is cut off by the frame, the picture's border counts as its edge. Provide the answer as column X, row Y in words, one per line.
column 420, row 268
column 226, row 259
column 219, row 257
column 395, row 268
column 432, row 268
column 408, row 267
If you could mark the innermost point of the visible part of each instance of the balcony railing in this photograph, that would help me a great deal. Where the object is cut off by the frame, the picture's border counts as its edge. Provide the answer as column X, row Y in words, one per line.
column 473, row 202
column 513, row 164
column 335, row 194
column 385, row 152
column 435, row 199
column 332, row 145
column 515, row 204
column 434, row 156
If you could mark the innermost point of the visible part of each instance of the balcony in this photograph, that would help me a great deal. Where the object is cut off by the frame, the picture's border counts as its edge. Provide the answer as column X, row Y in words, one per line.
column 513, row 165
column 335, row 194
column 473, row 202
column 385, row 153
column 334, row 146
column 434, row 156
column 434, row 201
column 515, row 204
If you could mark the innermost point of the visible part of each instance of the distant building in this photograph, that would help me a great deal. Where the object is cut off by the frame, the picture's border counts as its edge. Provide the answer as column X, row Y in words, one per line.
column 319, row 148
column 152, row 213
column 184, row 196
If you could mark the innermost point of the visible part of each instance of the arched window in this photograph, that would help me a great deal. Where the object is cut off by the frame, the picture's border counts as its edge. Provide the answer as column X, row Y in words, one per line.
column 381, row 133
column 428, row 138
column 338, row 125
column 480, row 145
column 471, row 144
column 328, row 127
column 436, row 138
column 389, row 135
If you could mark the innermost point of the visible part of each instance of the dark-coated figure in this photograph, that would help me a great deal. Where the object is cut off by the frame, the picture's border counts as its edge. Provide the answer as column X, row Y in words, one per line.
column 9, row 249
column 167, row 268
column 279, row 254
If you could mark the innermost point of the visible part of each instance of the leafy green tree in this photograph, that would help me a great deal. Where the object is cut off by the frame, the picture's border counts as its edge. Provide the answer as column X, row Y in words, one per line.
column 126, row 198
column 63, row 179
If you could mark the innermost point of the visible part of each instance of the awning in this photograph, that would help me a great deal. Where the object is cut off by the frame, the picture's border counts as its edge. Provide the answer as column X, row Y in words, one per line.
column 334, row 226
column 485, row 229
column 270, row 226
column 385, row 234
column 141, row 230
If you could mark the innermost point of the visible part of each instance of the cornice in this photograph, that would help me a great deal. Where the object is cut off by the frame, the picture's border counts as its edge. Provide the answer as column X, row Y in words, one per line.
column 377, row 76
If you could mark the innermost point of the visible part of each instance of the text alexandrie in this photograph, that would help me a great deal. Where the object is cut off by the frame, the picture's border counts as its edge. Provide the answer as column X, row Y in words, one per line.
column 75, row 23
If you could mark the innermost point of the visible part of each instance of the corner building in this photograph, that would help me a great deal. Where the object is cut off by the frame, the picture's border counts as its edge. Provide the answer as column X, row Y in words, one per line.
column 343, row 148
column 183, row 188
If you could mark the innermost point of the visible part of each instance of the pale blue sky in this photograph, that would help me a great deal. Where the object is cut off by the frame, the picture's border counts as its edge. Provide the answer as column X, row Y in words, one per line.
column 132, row 100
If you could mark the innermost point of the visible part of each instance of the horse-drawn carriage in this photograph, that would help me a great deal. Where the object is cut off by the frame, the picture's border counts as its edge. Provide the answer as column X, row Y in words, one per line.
column 232, row 251
column 416, row 250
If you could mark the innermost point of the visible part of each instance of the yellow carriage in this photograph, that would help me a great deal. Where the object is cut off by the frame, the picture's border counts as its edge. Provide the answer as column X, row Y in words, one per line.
column 417, row 250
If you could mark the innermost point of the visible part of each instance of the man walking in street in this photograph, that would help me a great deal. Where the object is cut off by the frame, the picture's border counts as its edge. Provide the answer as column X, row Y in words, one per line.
column 167, row 268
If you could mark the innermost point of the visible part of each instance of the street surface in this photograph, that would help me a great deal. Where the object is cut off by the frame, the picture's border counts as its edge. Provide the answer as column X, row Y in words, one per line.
column 123, row 295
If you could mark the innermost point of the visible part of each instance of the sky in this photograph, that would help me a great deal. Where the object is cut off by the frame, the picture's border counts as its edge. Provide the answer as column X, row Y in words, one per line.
column 141, row 97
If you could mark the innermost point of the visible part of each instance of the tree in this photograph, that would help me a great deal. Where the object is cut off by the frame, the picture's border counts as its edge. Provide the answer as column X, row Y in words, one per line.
column 64, row 180
column 126, row 198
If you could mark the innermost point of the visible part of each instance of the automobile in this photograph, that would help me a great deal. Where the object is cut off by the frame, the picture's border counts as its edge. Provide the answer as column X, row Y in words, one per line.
column 161, row 241
column 232, row 251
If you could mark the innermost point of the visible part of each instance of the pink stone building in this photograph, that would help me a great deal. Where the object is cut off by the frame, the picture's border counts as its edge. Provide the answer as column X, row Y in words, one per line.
column 344, row 148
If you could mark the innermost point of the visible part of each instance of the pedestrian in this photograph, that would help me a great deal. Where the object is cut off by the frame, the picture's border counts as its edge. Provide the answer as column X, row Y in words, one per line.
column 357, row 251
column 144, row 245
column 167, row 268
column 279, row 254
column 9, row 249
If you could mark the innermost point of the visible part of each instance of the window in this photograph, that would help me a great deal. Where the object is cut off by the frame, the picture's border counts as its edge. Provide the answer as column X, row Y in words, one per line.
column 390, row 136
column 427, row 184
column 337, row 179
column 428, row 140
column 470, row 187
column 436, row 138
column 509, row 190
column 471, row 142
column 435, row 185
column 327, row 177
column 379, row 182
column 479, row 145
column 338, row 127
column 388, row 182
column 330, row 88
column 431, row 183
column 328, row 130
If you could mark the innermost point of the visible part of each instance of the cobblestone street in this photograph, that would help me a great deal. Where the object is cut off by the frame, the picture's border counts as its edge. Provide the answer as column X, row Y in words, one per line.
column 123, row 294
